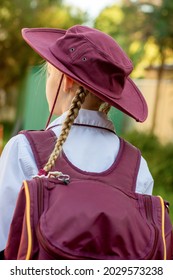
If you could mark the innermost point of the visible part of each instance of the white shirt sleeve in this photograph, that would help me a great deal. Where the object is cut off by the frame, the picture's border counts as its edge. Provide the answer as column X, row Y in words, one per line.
column 145, row 182
column 16, row 164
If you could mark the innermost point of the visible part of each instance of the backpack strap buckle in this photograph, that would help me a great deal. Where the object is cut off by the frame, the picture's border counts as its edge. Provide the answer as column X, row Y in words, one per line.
column 65, row 178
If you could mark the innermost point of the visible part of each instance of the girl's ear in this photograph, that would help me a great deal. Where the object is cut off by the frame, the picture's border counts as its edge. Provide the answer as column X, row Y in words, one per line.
column 68, row 83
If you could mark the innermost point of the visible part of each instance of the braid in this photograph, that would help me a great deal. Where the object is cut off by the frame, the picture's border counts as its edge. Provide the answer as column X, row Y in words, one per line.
column 105, row 107
column 77, row 101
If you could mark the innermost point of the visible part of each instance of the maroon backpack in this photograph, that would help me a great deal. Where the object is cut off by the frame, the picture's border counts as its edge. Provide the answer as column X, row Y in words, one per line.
column 85, row 215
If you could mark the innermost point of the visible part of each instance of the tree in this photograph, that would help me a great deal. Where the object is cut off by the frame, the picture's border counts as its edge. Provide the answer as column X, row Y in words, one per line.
column 15, row 55
column 162, row 31
column 156, row 24
column 118, row 21
column 14, row 15
column 140, row 25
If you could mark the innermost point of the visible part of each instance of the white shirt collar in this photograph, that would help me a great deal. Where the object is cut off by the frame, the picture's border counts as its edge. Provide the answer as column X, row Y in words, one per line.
column 87, row 117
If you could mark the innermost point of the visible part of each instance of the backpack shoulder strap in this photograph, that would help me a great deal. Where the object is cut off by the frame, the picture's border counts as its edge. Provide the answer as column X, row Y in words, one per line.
column 42, row 143
column 127, row 167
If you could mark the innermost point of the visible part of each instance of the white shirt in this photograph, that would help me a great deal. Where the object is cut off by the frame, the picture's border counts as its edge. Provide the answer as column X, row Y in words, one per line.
column 89, row 148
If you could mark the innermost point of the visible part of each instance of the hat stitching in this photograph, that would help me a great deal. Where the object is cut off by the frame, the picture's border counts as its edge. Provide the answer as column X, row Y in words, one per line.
column 44, row 30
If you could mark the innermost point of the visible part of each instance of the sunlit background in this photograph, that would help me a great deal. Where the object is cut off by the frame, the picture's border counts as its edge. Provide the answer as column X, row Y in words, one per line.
column 143, row 28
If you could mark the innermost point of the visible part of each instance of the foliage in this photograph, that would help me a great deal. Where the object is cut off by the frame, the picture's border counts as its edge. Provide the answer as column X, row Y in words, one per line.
column 7, row 131
column 138, row 26
column 118, row 21
column 161, row 25
column 14, row 15
column 160, row 161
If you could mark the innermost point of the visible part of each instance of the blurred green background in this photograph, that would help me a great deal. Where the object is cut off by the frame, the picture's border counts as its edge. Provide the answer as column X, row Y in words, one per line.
column 144, row 29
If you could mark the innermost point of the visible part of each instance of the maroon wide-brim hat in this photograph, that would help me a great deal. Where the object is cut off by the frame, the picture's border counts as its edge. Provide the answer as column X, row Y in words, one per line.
column 94, row 60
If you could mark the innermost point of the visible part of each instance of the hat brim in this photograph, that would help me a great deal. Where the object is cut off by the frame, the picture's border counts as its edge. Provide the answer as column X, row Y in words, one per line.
column 131, row 102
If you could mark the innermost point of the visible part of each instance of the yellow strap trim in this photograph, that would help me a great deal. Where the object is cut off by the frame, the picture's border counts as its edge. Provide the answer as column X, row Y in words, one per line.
column 163, row 226
column 28, row 221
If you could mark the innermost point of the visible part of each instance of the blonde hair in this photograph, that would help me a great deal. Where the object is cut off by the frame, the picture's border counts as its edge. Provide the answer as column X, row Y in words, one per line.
column 73, row 112
column 77, row 101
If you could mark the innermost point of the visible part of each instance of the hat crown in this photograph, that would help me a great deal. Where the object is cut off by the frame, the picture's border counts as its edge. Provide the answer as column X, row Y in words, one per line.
column 102, row 42
column 88, row 53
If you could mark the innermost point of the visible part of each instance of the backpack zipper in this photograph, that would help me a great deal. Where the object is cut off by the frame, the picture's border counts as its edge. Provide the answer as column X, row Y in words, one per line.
column 28, row 221
column 163, row 226
column 55, row 253
column 40, row 197
column 148, row 208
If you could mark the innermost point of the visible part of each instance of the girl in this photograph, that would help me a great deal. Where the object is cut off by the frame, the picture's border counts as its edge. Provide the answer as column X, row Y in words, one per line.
column 87, row 73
